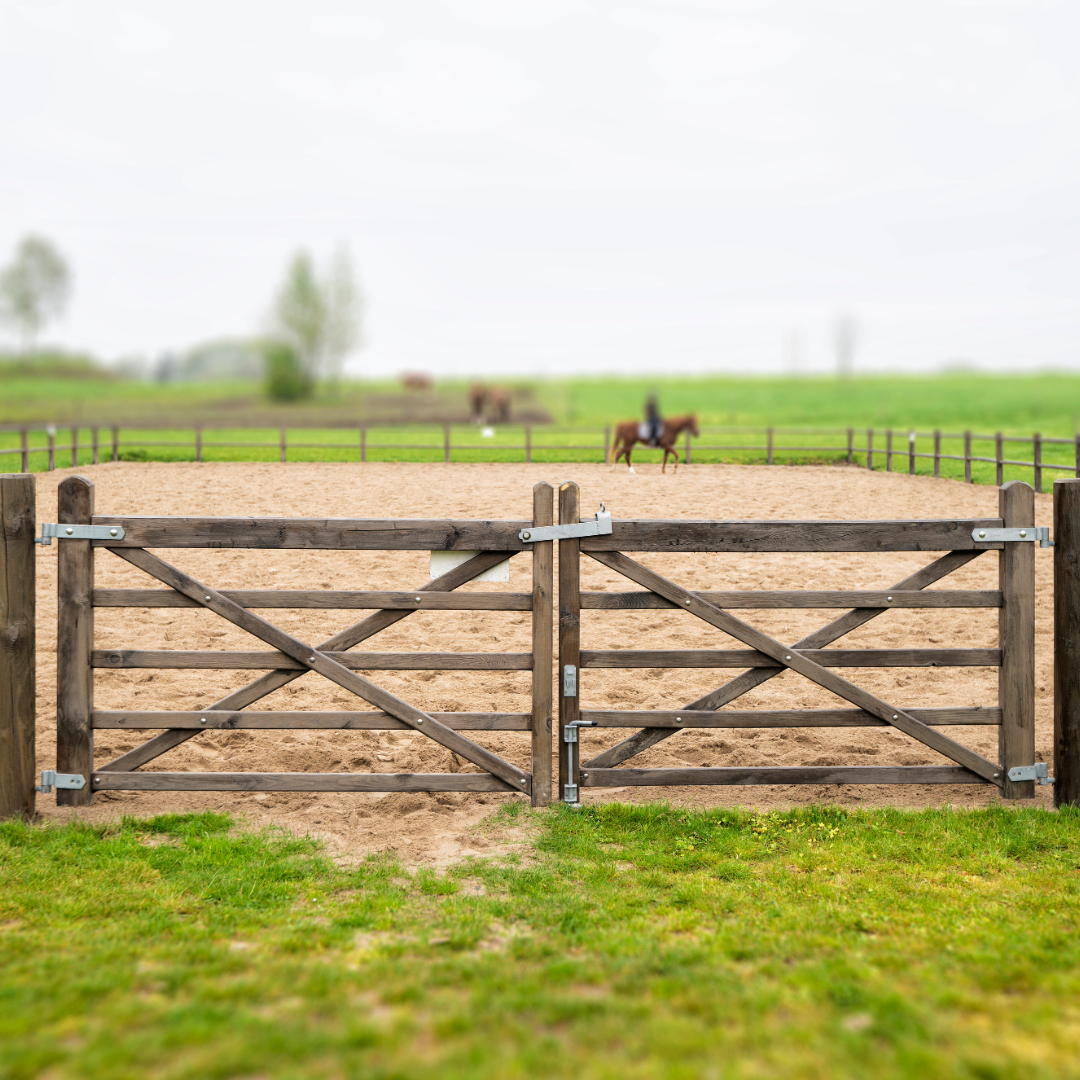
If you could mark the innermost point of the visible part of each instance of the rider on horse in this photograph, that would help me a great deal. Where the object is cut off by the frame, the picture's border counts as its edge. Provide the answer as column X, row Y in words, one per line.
column 653, row 425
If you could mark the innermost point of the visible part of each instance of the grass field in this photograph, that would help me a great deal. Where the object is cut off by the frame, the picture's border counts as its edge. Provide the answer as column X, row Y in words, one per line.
column 636, row 942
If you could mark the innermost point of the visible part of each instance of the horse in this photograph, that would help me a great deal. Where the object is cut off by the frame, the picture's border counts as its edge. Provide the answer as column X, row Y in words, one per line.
column 632, row 431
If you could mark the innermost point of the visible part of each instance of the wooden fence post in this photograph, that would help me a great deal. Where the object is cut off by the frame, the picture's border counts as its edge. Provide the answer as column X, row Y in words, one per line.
column 911, row 453
column 1066, row 642
column 198, row 442
column 1016, row 639
column 870, row 449
column 888, row 450
column 768, row 445
column 607, row 445
column 850, row 445
column 569, row 619
column 74, row 642
column 543, row 566
column 446, row 443
column 1036, row 460
column 24, row 445
column 937, row 453
column 999, row 454
column 18, row 767
column 51, row 432
column 116, row 442
column 94, row 443
column 967, row 457
column 363, row 442
column 74, row 447
column 686, row 459
column 528, row 445
column 283, row 440
column 1077, row 456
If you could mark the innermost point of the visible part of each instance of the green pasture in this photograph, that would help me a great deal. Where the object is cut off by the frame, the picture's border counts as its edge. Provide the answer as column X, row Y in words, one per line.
column 630, row 942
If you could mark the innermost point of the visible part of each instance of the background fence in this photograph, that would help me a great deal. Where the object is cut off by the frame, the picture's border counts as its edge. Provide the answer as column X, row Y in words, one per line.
column 974, row 457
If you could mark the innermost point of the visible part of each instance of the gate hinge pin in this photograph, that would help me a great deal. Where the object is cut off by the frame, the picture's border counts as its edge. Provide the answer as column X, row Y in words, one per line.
column 1038, row 771
column 50, row 779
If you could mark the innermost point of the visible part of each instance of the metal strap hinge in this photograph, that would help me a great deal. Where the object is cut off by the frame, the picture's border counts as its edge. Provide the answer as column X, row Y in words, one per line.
column 1040, row 533
column 50, row 779
column 599, row 526
column 1038, row 771
column 78, row 532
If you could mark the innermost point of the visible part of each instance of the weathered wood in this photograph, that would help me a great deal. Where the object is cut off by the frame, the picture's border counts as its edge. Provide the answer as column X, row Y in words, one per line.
column 212, row 781
column 326, row 599
column 765, row 600
column 733, row 658
column 18, row 523
column 754, row 677
column 1016, row 638
column 800, row 663
column 330, row 669
column 346, row 534
column 274, row 680
column 542, row 603
column 792, row 774
column 1066, row 769
column 217, row 720
column 780, row 718
column 569, row 621
column 354, row 661
column 74, row 641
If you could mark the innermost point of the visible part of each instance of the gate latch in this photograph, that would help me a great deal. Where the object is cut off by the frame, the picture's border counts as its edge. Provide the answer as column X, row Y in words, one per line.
column 1033, row 533
column 50, row 779
column 78, row 532
column 570, row 740
column 1038, row 771
column 600, row 526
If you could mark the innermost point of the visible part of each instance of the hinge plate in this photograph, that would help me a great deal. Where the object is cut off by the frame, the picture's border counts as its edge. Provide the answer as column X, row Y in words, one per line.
column 1038, row 771
column 78, row 532
column 1032, row 534
column 569, row 680
column 599, row 526
column 50, row 779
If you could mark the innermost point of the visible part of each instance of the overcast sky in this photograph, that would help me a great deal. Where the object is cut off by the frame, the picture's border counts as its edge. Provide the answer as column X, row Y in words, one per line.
column 552, row 186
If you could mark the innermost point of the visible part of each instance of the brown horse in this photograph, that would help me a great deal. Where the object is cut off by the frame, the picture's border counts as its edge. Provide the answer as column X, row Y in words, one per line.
column 629, row 432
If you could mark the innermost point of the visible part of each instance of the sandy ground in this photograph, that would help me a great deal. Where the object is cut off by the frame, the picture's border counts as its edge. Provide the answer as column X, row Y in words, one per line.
column 443, row 828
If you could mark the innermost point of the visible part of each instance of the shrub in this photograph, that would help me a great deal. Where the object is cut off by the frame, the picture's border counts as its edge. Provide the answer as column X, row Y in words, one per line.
column 286, row 379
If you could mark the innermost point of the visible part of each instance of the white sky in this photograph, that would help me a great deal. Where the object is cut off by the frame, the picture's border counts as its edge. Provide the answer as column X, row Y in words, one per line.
column 554, row 186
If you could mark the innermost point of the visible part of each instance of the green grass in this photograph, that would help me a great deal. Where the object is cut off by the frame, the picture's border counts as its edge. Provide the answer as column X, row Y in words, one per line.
column 638, row 942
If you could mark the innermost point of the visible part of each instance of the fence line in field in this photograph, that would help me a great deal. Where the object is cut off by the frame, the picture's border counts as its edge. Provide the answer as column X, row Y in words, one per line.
column 858, row 444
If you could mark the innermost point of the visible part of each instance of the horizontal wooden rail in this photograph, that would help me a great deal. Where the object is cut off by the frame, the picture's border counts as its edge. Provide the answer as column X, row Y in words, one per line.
column 936, row 598
column 211, row 720
column 780, row 718
column 808, row 774
column 749, row 658
column 223, row 781
column 329, row 599
column 276, row 661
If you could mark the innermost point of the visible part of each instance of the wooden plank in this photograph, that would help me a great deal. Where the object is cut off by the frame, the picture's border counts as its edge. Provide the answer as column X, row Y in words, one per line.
column 1066, row 768
column 790, row 536
column 354, row 661
column 569, row 621
column 1016, row 637
column 765, row 600
column 193, row 781
column 274, row 680
column 324, row 599
column 802, row 774
column 833, row 658
column 218, row 720
column 779, row 718
column 74, row 641
column 18, row 654
column 542, row 604
column 754, row 677
column 326, row 666
column 800, row 663
column 344, row 534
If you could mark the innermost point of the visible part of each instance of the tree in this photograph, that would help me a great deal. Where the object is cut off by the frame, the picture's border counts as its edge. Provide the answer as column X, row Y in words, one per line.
column 34, row 288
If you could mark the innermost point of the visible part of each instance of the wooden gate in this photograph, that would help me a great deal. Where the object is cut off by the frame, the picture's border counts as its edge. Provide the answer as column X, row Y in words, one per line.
column 766, row 657
column 290, row 658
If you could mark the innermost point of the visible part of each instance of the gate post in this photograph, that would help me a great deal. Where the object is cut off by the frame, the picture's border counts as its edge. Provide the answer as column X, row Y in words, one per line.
column 1067, row 642
column 543, row 559
column 74, row 642
column 17, row 654
column 569, row 619
column 1016, row 639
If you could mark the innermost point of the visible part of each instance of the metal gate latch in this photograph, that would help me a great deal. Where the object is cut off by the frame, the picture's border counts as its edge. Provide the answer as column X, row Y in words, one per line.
column 570, row 740
column 1041, row 533
column 569, row 680
column 50, row 779
column 78, row 532
column 1038, row 771
column 601, row 526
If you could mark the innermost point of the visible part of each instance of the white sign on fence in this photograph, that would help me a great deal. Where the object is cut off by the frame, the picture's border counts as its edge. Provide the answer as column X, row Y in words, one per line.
column 443, row 562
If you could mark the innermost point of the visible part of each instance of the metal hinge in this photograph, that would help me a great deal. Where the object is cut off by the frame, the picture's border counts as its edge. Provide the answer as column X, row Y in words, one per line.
column 50, row 779
column 569, row 680
column 1038, row 771
column 600, row 526
column 78, row 532
column 1041, row 533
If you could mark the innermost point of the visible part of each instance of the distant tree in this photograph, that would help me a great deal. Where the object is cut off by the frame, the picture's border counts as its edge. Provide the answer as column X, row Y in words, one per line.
column 846, row 340
column 286, row 379
column 34, row 288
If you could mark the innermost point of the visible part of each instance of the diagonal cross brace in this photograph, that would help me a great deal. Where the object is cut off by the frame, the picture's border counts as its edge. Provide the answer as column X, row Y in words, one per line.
column 266, row 684
column 795, row 660
column 318, row 661
column 754, row 677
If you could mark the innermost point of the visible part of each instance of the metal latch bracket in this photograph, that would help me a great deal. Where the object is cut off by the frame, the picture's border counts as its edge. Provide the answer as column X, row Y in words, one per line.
column 50, row 779
column 569, row 680
column 1038, row 771
column 78, row 532
column 599, row 526
column 1032, row 534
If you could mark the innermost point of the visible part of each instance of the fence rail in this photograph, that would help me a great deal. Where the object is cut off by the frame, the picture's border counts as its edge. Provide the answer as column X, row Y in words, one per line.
column 873, row 448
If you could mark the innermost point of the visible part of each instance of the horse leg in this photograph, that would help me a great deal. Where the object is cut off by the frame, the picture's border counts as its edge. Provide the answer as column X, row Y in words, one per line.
column 628, row 464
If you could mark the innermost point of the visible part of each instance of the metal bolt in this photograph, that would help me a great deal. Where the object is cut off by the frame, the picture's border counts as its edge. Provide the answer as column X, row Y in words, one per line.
column 1023, row 532
column 688, row 601
column 419, row 719
column 522, row 780
column 526, row 536
column 896, row 717
column 787, row 657
column 113, row 532
column 982, row 534
column 996, row 775
column 311, row 659
column 69, row 531
column 203, row 720
column 418, row 599
column 889, row 598
column 678, row 719
column 584, row 776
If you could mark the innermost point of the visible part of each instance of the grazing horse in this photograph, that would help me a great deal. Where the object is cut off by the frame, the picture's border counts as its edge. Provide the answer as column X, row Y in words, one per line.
column 631, row 431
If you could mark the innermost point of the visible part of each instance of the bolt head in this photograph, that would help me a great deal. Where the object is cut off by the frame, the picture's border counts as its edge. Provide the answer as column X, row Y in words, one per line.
column 1023, row 532
column 69, row 531
column 896, row 717
column 207, row 599
column 202, row 720
column 787, row 657
column 526, row 536
column 982, row 534
column 311, row 659
column 889, row 598
column 113, row 532
column 418, row 599
column 420, row 720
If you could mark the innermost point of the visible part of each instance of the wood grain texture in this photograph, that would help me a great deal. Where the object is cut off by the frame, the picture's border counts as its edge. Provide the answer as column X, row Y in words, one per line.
column 1016, row 638
column 356, row 661
column 194, row 781
column 217, row 720
column 833, row 658
column 779, row 718
column 542, row 603
column 569, row 620
column 764, row 600
column 794, row 774
column 322, row 599
column 18, row 657
column 74, row 641
column 1066, row 769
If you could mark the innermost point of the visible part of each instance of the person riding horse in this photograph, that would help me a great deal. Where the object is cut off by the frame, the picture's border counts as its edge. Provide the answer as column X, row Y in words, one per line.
column 653, row 426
